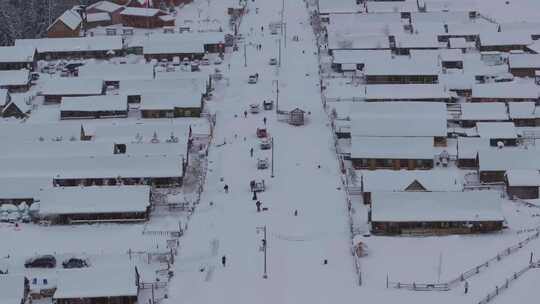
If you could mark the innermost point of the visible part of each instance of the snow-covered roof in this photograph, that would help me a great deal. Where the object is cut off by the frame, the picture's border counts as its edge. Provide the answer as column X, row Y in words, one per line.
column 14, row 78
column 469, row 206
column 70, row 18
column 171, row 99
column 72, row 86
column 451, row 6
column 94, row 103
column 88, row 200
column 524, row 61
column 468, row 147
column 394, row 119
column 105, row 6
column 484, row 111
column 95, row 282
column 523, row 178
column 79, row 44
column 11, row 289
column 418, row 41
column 172, row 47
column 392, row 180
column 23, row 132
column 359, row 56
column 17, row 54
column 402, row 65
column 440, row 54
column 140, row 11
column 535, row 46
column 338, row 6
column 459, row 43
column 522, row 109
column 358, row 42
column 23, row 187
column 117, row 72
column 456, row 81
column 504, row 38
column 392, row 147
column 20, row 150
column 112, row 166
column 138, row 87
column 406, row 92
column 440, row 16
column 144, row 131
column 506, row 90
column 98, row 17
column 507, row 159
column 3, row 96
column 391, row 6
column 494, row 130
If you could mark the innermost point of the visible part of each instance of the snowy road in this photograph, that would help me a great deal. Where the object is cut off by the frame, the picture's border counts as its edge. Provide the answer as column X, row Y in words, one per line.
column 297, row 245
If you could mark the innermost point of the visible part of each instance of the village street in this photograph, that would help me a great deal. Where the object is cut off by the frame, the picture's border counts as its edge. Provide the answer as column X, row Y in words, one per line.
column 297, row 245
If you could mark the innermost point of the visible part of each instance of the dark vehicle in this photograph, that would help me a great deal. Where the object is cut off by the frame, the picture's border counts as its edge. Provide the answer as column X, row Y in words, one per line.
column 42, row 261
column 74, row 263
column 73, row 66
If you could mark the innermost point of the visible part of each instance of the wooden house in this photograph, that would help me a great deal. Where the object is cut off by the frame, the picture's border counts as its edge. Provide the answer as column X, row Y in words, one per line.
column 94, row 107
column 467, row 151
column 67, row 25
column 503, row 41
column 98, row 19
column 401, row 70
column 498, row 132
column 100, row 286
column 110, row 8
column 5, row 98
column 17, row 107
column 97, row 47
column 505, row 92
column 524, row 65
column 407, row 181
column 179, row 103
column 472, row 113
column 53, row 90
column 113, row 74
column 522, row 184
column 15, row 190
column 436, row 213
column 15, row 80
column 70, row 205
column 18, row 58
column 406, row 44
column 494, row 163
column 392, row 153
column 145, row 17
column 523, row 114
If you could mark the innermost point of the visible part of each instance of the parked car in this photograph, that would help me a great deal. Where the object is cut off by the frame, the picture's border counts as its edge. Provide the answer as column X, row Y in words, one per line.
column 218, row 61
column 273, row 61
column 254, row 108
column 262, row 163
column 34, row 76
column 253, row 78
column 268, row 105
column 261, row 133
column 42, row 261
column 195, row 66
column 265, row 144
column 74, row 263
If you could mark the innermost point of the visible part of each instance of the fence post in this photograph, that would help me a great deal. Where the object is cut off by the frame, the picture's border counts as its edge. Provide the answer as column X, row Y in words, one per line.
column 386, row 280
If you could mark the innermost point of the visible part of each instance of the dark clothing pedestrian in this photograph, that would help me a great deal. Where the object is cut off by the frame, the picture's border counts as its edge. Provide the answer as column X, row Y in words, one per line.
column 223, row 261
column 264, row 120
column 258, row 204
column 252, row 185
column 466, row 287
column 295, row 212
column 245, row 114
column 226, row 188
column 262, row 28
column 251, row 152
column 254, row 196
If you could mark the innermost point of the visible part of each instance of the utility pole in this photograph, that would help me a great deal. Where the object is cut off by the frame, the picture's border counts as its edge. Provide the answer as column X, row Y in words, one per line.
column 276, row 81
column 245, row 56
column 264, row 246
column 272, row 171
column 285, row 31
column 279, row 60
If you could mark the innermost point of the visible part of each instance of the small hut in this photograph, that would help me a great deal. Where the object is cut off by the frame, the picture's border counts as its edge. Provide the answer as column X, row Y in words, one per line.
column 296, row 117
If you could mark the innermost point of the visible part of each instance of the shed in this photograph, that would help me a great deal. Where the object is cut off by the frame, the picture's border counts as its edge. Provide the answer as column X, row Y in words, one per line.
column 436, row 212
column 522, row 184
column 523, row 114
column 96, row 285
column 494, row 163
column 69, row 205
column 15, row 80
column 471, row 113
column 504, row 41
column 17, row 58
column 467, row 151
column 524, row 65
column 296, row 117
column 54, row 89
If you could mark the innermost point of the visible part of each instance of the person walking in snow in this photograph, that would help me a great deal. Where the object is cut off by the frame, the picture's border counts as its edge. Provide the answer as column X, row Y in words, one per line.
column 258, row 204
column 245, row 114
column 262, row 28
column 224, row 261
column 226, row 188
column 254, row 196
column 264, row 120
column 466, row 287
column 251, row 151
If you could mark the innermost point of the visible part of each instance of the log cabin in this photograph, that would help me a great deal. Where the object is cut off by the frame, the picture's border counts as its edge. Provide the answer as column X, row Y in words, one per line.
column 522, row 184
column 67, row 25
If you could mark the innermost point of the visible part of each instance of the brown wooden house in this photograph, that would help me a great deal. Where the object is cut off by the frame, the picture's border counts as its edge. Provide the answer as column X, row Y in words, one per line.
column 108, row 7
column 524, row 65
column 523, row 184
column 18, row 58
column 145, row 18
column 67, row 25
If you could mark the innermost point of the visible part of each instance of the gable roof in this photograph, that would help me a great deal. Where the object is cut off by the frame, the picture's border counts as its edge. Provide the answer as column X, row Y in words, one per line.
column 70, row 18
column 392, row 180
column 14, row 77
column 105, row 6
column 415, row 186
column 139, row 11
column 17, row 54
